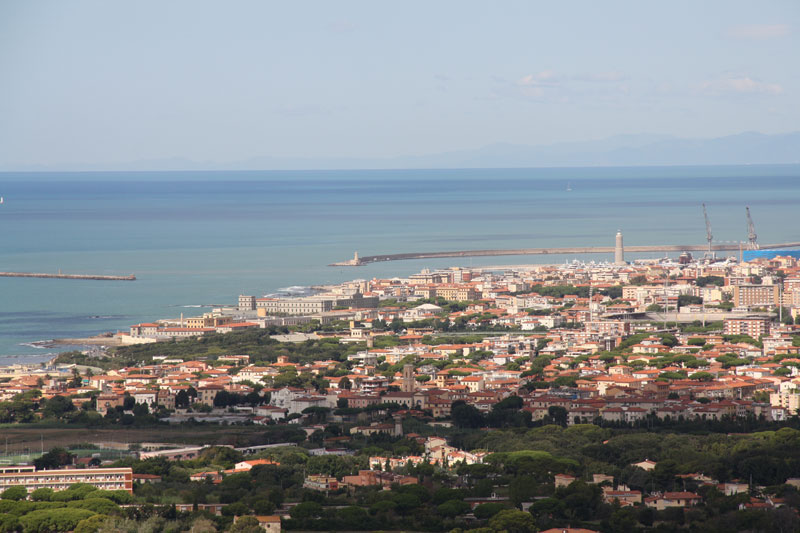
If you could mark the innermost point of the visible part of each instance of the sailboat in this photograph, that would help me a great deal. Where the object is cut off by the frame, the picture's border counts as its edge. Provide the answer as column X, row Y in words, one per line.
column 569, row 186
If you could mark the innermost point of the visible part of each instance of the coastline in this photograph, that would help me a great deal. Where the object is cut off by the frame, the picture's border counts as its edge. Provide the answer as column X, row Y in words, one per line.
column 104, row 339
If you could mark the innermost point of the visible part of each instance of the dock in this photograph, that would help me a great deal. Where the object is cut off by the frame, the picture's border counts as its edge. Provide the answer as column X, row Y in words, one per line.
column 576, row 250
column 66, row 276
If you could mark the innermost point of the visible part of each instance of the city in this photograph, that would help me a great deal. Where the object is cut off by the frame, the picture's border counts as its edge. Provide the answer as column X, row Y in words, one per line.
column 423, row 267
column 421, row 363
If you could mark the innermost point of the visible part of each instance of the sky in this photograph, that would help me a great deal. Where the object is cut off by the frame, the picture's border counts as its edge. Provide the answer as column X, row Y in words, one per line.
column 107, row 82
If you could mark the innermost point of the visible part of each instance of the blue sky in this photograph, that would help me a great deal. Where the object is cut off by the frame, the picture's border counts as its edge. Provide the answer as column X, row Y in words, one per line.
column 110, row 81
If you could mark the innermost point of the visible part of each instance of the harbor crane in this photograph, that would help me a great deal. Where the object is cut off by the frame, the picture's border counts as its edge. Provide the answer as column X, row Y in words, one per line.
column 752, row 238
column 709, row 237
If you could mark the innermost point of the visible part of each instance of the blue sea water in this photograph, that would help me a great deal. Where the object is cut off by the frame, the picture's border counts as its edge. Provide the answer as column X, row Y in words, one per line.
column 201, row 238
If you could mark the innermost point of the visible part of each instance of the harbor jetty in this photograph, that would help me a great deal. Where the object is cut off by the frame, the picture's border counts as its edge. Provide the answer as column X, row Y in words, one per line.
column 364, row 260
column 66, row 276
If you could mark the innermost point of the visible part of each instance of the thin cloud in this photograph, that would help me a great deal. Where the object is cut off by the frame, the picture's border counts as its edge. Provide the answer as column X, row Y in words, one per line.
column 543, row 78
column 759, row 31
column 554, row 86
column 551, row 78
column 601, row 77
column 740, row 85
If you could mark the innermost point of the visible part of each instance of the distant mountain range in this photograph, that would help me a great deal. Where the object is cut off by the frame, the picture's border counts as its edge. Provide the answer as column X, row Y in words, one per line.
column 623, row 150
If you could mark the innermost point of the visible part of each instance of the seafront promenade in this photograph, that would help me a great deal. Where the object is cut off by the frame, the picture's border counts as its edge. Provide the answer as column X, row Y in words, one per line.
column 359, row 261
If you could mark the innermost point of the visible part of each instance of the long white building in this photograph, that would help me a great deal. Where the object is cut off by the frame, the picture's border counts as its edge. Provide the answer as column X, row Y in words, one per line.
column 102, row 478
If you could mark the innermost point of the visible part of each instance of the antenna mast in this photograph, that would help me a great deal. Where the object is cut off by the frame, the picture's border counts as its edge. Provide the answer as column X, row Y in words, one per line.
column 752, row 238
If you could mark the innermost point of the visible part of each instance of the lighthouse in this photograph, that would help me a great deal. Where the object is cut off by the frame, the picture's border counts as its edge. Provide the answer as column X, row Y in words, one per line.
column 619, row 251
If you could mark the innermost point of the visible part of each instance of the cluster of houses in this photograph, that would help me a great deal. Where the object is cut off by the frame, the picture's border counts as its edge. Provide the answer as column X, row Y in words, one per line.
column 624, row 496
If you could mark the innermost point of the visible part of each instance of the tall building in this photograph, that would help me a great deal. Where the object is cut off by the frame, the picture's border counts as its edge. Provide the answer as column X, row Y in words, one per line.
column 619, row 250
column 409, row 382
column 756, row 295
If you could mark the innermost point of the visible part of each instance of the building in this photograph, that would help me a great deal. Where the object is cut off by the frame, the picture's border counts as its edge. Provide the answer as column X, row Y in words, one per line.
column 206, row 395
column 208, row 320
column 369, row 478
column 409, row 383
column 293, row 306
column 789, row 400
column 563, row 480
column 101, row 478
column 247, row 303
column 619, row 250
column 756, row 295
column 321, row 483
column 754, row 326
column 673, row 499
column 271, row 524
column 458, row 293
column 213, row 508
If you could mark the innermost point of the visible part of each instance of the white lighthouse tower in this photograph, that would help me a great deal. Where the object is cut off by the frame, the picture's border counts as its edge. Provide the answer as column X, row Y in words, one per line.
column 619, row 251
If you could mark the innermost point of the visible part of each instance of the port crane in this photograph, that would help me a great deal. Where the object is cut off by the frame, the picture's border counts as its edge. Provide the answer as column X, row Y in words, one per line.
column 752, row 238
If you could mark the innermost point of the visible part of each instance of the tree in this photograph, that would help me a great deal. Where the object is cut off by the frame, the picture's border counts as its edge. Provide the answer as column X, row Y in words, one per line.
column 76, row 380
column 42, row 495
column 465, row 415
column 246, row 524
column 512, row 402
column 235, row 509
column 128, row 402
column 56, row 407
column 558, row 414
column 353, row 517
column 96, row 505
column 522, row 489
column 488, row 510
column 513, row 521
column 305, row 510
column 406, row 502
column 50, row 520
column 452, row 508
column 55, row 458
column 182, row 399
column 91, row 524
column 345, row 383
column 203, row 525
column 14, row 493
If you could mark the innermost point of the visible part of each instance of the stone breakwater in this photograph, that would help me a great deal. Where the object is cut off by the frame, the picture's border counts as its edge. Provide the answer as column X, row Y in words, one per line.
column 66, row 276
column 552, row 251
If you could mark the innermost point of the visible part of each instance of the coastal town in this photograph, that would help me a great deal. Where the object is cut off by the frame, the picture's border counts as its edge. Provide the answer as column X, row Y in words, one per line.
column 655, row 343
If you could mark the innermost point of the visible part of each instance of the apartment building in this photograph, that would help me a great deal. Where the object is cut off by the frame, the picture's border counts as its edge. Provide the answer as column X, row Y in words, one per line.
column 752, row 326
column 102, row 478
column 458, row 293
column 756, row 295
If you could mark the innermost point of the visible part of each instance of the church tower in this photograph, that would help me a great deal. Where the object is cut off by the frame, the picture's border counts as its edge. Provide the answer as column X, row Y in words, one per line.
column 408, row 379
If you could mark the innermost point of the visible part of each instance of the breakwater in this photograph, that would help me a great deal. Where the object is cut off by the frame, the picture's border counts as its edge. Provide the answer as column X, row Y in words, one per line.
column 66, row 276
column 358, row 261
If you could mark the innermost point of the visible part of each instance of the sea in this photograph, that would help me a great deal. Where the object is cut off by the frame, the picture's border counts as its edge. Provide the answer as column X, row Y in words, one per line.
column 196, row 240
